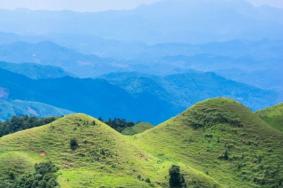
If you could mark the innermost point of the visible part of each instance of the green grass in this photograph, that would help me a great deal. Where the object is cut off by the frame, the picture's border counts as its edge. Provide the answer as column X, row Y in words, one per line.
column 255, row 149
column 196, row 140
column 138, row 128
column 273, row 116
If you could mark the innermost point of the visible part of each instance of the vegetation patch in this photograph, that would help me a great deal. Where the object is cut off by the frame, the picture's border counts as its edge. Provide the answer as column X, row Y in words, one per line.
column 203, row 117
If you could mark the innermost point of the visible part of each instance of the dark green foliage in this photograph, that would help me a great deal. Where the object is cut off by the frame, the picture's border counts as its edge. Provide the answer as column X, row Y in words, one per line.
column 43, row 177
column 177, row 179
column 74, row 144
column 225, row 154
column 118, row 124
column 205, row 117
column 18, row 123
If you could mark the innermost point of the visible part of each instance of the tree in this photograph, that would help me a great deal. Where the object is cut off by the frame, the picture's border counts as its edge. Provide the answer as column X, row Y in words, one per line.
column 176, row 179
column 18, row 123
column 74, row 144
column 43, row 177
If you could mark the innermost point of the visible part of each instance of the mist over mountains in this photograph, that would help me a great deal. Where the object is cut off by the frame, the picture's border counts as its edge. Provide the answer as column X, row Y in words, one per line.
column 212, row 48
column 176, row 21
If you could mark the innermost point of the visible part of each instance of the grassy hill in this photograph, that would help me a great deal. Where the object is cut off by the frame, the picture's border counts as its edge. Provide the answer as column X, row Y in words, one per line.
column 273, row 116
column 138, row 128
column 222, row 139
column 217, row 143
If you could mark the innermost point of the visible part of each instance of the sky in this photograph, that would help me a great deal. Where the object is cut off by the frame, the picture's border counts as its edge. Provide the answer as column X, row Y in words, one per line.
column 95, row 5
column 76, row 5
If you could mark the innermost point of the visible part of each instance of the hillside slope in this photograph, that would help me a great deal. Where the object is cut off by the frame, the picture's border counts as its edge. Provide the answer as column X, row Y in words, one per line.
column 273, row 116
column 223, row 139
column 137, row 128
column 104, row 157
column 217, row 143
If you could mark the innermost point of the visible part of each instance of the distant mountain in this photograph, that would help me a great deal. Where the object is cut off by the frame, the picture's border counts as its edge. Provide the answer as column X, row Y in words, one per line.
column 188, row 88
column 92, row 96
column 34, row 71
column 236, row 60
column 9, row 108
column 49, row 53
column 186, row 21
column 132, row 96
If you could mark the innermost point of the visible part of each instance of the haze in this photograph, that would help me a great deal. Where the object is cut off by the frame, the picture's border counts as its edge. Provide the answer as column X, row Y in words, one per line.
column 95, row 5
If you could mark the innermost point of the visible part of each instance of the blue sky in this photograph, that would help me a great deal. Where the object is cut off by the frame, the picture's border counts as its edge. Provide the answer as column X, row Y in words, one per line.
column 94, row 5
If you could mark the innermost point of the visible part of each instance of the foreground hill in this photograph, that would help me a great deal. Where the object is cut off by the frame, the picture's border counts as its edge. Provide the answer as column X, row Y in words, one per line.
column 223, row 139
column 137, row 128
column 217, row 143
column 273, row 116
column 104, row 157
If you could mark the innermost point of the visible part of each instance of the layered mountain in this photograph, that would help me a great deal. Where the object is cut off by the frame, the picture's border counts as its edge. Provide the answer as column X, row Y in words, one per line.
column 216, row 143
column 49, row 53
column 34, row 71
column 131, row 95
column 186, row 21
column 9, row 108
column 185, row 89
column 93, row 96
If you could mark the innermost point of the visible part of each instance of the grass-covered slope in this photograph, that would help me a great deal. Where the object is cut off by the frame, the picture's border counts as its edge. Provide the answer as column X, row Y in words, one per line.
column 223, row 139
column 104, row 157
column 137, row 128
column 273, row 116
column 217, row 143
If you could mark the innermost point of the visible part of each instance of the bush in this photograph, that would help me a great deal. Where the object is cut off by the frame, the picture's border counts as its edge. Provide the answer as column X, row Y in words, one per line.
column 206, row 117
column 224, row 155
column 176, row 179
column 43, row 177
column 74, row 144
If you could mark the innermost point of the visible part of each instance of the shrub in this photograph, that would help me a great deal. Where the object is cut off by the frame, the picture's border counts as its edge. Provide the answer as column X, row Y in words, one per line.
column 74, row 144
column 206, row 117
column 43, row 177
column 176, row 179
column 225, row 154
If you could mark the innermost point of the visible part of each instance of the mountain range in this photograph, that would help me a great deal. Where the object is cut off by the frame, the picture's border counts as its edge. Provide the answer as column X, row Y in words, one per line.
column 10, row 108
column 176, row 21
column 134, row 96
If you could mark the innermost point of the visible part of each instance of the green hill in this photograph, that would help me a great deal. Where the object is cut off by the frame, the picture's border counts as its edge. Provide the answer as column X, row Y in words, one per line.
column 273, row 116
column 217, row 143
column 138, row 128
column 104, row 157
column 223, row 139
